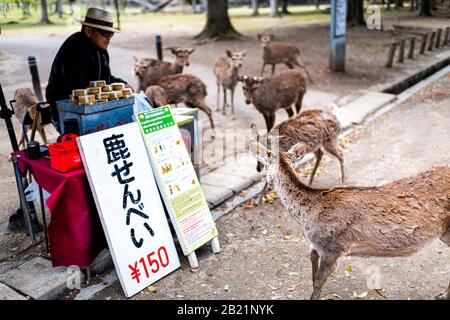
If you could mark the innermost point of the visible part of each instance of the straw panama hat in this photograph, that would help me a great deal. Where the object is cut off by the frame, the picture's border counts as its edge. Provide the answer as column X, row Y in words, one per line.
column 99, row 18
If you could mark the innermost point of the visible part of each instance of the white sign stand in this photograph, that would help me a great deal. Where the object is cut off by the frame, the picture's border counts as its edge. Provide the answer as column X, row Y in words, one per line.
column 178, row 182
column 129, row 205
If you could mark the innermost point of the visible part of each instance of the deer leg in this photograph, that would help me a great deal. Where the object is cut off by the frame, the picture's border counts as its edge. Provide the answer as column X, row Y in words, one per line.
column 273, row 69
column 319, row 154
column 262, row 69
column 224, row 100
column 289, row 112
column 327, row 266
column 218, row 98
column 315, row 263
column 271, row 121
column 298, row 103
column 332, row 148
column 444, row 295
column 300, row 64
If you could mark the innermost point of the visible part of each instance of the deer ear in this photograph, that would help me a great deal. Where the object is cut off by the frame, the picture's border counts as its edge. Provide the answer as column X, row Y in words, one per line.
column 242, row 78
column 151, row 63
column 229, row 54
column 244, row 53
column 259, row 36
column 135, row 59
column 272, row 37
column 190, row 50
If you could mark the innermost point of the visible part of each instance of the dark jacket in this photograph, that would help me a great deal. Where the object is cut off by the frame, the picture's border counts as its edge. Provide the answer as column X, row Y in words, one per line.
column 77, row 62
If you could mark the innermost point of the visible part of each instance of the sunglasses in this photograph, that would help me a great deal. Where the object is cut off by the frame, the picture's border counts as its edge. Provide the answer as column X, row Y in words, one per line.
column 104, row 33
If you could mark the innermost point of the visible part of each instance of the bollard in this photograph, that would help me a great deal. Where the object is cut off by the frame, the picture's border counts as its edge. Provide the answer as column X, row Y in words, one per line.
column 412, row 44
column 438, row 38
column 6, row 114
column 158, row 42
column 391, row 54
column 401, row 52
column 424, row 43
column 431, row 44
column 35, row 77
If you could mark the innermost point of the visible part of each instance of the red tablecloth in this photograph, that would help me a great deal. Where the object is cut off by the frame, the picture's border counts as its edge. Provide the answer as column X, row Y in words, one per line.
column 75, row 232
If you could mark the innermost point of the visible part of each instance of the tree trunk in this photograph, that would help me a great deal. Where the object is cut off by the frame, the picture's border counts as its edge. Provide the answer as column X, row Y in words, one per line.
column 355, row 12
column 274, row 8
column 255, row 7
column 44, row 18
column 285, row 7
column 399, row 4
column 317, row 3
column 425, row 8
column 218, row 25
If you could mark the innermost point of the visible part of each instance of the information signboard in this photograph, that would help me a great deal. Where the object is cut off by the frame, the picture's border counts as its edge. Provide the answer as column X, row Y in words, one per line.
column 177, row 180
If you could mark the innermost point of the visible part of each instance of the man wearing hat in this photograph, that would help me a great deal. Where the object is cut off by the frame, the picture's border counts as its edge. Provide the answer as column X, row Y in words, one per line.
column 82, row 58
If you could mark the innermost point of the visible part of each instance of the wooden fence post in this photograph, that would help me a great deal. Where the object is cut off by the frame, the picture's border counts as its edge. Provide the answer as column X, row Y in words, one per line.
column 431, row 44
column 424, row 43
column 401, row 52
column 391, row 54
column 438, row 38
column 412, row 44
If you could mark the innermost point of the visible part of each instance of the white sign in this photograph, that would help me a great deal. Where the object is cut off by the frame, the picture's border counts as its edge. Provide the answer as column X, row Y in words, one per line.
column 129, row 205
column 177, row 180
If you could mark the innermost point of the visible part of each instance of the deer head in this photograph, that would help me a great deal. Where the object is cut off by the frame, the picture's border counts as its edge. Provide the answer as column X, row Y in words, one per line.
column 181, row 55
column 265, row 38
column 141, row 66
column 236, row 57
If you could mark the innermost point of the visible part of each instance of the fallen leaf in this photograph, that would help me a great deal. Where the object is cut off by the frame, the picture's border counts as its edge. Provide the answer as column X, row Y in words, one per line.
column 381, row 293
column 244, row 192
column 249, row 204
column 14, row 249
column 347, row 271
column 276, row 297
column 226, row 287
column 151, row 288
column 278, row 226
column 272, row 287
column 292, row 273
column 294, row 287
column 264, row 232
column 337, row 296
column 180, row 296
column 286, row 265
column 360, row 296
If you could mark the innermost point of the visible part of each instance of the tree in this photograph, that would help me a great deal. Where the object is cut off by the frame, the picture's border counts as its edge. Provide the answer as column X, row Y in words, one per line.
column 117, row 8
column 218, row 25
column 274, row 8
column 399, row 4
column 355, row 12
column 285, row 7
column 44, row 18
column 59, row 8
column 425, row 8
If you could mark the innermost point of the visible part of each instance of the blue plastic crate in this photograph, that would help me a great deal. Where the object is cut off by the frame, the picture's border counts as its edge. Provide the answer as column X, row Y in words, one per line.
column 97, row 117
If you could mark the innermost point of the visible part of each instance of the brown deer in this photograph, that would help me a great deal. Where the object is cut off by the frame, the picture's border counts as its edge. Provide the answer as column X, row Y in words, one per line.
column 226, row 70
column 156, row 96
column 280, row 52
column 278, row 92
column 187, row 89
column 150, row 70
column 392, row 220
column 25, row 100
column 312, row 129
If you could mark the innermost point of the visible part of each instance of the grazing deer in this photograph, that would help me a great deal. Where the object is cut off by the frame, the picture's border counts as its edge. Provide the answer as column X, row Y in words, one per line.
column 314, row 130
column 280, row 52
column 25, row 100
column 187, row 89
column 278, row 92
column 392, row 220
column 150, row 70
column 226, row 70
column 156, row 96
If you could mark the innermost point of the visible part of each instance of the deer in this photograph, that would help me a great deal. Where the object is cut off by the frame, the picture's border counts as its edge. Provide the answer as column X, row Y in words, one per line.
column 25, row 100
column 150, row 70
column 278, row 92
column 392, row 220
column 314, row 130
column 187, row 89
column 226, row 70
column 280, row 52
column 156, row 96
